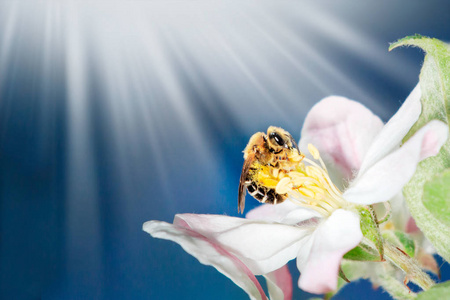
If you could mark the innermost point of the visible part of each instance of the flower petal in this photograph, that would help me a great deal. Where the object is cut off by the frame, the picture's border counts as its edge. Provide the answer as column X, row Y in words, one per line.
column 342, row 130
column 387, row 177
column 208, row 253
column 269, row 212
column 286, row 213
column 395, row 130
column 279, row 284
column 302, row 217
column 333, row 238
column 262, row 246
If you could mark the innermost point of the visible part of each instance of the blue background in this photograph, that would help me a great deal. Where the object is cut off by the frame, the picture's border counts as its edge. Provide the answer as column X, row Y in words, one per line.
column 116, row 113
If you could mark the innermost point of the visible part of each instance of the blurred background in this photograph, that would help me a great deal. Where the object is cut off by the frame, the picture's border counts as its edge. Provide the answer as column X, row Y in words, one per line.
column 118, row 112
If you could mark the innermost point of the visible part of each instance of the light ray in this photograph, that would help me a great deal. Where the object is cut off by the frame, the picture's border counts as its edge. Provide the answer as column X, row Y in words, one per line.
column 83, row 217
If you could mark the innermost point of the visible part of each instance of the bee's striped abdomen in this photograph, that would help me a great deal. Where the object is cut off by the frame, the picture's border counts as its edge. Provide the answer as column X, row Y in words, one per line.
column 264, row 194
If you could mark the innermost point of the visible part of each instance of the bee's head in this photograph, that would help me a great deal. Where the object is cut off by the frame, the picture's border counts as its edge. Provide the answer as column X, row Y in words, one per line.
column 279, row 139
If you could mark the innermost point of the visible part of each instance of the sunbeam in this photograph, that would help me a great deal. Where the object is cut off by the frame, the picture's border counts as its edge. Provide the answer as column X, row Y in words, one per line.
column 83, row 216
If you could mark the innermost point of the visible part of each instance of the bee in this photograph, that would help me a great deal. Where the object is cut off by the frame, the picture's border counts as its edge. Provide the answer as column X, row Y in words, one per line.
column 265, row 157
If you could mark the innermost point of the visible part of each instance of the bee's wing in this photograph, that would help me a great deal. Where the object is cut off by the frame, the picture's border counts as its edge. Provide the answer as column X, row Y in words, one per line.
column 242, row 184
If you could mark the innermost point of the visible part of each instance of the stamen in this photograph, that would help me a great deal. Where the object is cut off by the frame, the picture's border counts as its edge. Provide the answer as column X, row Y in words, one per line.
column 300, row 203
column 316, row 154
column 316, row 204
column 283, row 186
column 299, row 179
column 306, row 192
column 295, row 157
column 310, row 185
column 329, row 183
column 313, row 150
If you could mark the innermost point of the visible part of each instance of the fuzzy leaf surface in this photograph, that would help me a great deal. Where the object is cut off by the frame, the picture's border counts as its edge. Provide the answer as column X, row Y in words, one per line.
column 435, row 86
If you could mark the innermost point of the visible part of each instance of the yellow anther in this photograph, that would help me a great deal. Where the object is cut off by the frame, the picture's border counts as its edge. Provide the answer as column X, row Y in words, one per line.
column 296, row 157
column 314, row 152
column 283, row 186
column 298, row 178
column 313, row 172
column 275, row 172
column 307, row 185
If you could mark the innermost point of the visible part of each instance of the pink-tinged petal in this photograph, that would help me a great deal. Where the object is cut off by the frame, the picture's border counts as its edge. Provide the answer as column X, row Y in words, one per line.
column 209, row 253
column 262, row 246
column 269, row 212
column 333, row 238
column 342, row 130
column 433, row 139
column 394, row 131
column 388, row 176
column 279, row 284
column 286, row 213
column 302, row 217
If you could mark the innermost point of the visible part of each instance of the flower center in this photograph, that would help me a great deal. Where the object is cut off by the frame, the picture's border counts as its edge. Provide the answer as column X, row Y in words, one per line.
column 309, row 185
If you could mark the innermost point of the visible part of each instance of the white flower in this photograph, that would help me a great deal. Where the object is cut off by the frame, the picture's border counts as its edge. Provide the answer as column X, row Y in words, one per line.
column 320, row 224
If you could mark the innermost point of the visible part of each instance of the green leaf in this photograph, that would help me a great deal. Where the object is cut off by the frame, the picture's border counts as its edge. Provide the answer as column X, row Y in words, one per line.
column 436, row 196
column 434, row 79
column 401, row 240
column 371, row 247
column 370, row 231
column 362, row 253
column 407, row 243
column 435, row 86
column 439, row 291
column 342, row 275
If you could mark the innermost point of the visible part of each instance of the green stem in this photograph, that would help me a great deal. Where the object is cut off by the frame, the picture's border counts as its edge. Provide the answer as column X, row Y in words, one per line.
column 408, row 265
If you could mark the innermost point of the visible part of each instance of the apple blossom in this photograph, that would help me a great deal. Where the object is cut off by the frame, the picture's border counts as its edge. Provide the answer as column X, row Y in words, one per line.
column 320, row 223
